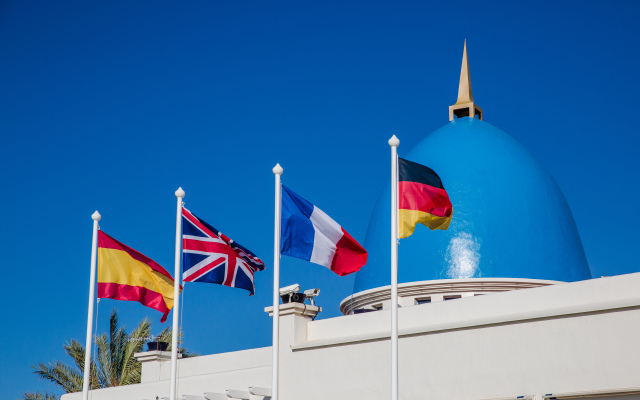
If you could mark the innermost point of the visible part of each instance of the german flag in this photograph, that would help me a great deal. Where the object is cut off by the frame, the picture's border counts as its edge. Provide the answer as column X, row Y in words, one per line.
column 422, row 199
column 126, row 274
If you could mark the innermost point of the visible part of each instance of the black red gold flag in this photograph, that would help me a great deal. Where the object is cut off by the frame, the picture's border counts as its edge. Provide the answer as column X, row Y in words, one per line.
column 422, row 199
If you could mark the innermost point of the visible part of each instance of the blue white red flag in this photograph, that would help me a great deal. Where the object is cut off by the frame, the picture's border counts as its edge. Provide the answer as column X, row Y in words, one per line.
column 211, row 257
column 310, row 234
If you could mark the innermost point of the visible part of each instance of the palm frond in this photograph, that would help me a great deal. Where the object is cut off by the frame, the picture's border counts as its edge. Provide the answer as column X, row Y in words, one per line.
column 60, row 374
column 104, row 360
column 115, row 344
column 131, row 367
column 114, row 364
column 167, row 335
column 38, row 396
column 76, row 351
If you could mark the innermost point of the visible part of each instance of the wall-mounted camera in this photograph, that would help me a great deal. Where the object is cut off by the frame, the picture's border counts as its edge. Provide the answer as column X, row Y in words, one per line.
column 289, row 294
column 310, row 294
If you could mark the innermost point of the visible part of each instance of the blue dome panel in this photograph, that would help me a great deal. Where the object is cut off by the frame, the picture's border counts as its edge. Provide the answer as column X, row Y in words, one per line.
column 510, row 218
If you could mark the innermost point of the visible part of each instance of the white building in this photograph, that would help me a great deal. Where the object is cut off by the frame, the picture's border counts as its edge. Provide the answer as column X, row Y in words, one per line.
column 525, row 321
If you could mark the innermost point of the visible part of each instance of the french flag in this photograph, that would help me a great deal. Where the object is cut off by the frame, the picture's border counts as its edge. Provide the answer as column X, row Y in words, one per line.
column 310, row 234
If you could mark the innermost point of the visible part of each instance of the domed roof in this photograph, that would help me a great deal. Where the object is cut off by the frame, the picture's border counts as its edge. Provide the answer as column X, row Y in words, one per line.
column 510, row 218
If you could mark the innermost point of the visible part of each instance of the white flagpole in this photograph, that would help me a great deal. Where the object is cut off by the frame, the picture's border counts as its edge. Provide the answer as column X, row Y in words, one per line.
column 394, row 142
column 176, row 297
column 277, row 171
column 92, row 286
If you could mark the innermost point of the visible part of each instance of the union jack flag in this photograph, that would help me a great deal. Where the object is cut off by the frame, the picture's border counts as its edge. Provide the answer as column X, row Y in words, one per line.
column 209, row 256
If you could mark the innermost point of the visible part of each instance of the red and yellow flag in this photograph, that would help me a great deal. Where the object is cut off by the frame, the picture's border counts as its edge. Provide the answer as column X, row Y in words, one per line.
column 125, row 274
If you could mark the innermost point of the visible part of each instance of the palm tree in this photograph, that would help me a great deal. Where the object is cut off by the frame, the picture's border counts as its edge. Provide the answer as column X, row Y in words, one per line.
column 116, row 364
column 39, row 396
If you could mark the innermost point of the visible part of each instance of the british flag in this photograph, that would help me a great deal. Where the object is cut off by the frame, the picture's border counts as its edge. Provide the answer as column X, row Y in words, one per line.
column 211, row 257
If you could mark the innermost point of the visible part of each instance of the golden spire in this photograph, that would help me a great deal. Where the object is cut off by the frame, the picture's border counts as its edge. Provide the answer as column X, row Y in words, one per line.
column 465, row 94
column 465, row 107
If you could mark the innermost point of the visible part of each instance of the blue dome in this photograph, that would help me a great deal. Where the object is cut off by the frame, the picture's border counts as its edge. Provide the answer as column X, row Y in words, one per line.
column 510, row 219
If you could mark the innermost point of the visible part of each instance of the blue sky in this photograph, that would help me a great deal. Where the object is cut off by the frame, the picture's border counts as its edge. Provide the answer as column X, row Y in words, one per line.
column 114, row 105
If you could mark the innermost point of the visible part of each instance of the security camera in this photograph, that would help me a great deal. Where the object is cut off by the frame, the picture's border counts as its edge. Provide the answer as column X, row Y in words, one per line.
column 310, row 294
column 290, row 294
column 287, row 290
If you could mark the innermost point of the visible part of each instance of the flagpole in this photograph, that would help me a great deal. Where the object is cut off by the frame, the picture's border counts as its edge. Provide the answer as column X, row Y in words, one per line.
column 277, row 171
column 394, row 142
column 176, row 297
column 92, row 285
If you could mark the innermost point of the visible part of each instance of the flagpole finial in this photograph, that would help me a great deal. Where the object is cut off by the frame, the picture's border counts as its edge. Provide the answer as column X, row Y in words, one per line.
column 394, row 141
column 277, row 170
column 180, row 193
column 96, row 216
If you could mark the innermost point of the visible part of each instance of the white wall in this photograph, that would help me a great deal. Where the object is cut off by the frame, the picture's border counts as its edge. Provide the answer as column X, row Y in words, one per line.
column 197, row 375
column 570, row 337
column 563, row 338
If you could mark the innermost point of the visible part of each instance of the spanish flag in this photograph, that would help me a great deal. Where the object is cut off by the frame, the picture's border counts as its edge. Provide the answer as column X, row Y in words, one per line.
column 422, row 199
column 125, row 274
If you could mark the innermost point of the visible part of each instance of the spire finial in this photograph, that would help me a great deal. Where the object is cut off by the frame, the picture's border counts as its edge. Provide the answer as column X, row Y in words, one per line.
column 465, row 107
column 465, row 94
